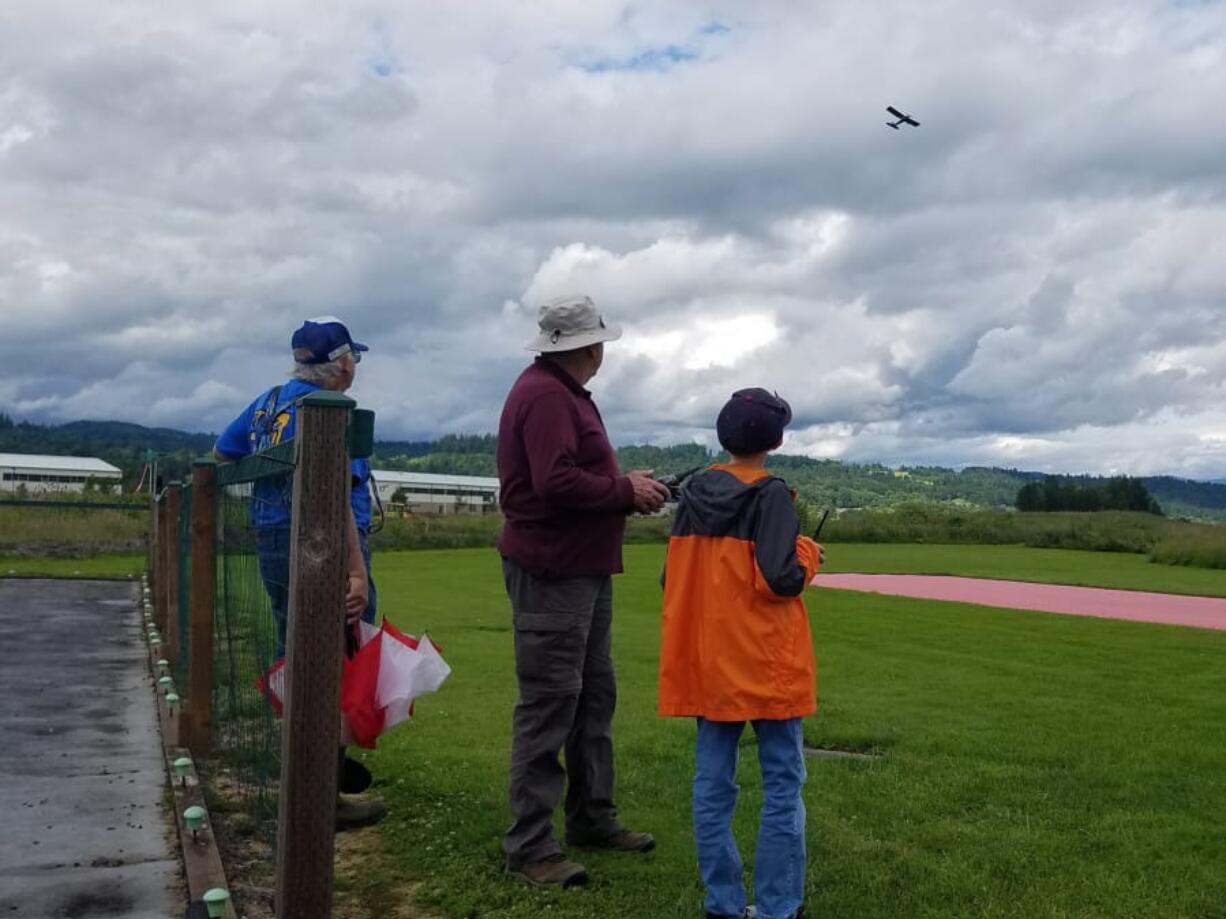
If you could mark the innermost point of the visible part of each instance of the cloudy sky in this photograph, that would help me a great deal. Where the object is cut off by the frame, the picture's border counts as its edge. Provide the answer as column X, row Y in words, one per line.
column 1035, row 277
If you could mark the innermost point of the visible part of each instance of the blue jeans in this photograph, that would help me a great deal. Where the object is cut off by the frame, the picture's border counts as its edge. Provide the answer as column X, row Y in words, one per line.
column 779, row 866
column 273, row 553
column 364, row 545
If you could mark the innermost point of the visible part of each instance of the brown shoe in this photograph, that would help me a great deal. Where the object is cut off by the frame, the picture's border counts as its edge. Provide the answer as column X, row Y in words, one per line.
column 352, row 815
column 555, row 871
column 621, row 841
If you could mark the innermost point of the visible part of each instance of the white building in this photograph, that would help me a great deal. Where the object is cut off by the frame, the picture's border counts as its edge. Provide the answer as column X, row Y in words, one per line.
column 55, row 473
column 429, row 493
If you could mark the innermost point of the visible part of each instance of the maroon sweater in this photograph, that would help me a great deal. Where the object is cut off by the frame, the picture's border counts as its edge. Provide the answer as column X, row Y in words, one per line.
column 563, row 496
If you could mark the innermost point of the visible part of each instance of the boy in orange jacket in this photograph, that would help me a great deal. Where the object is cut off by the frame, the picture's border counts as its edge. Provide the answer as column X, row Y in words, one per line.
column 736, row 647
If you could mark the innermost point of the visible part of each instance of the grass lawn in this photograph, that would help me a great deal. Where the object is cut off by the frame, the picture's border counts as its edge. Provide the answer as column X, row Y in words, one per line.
column 99, row 566
column 1123, row 570
column 1033, row 765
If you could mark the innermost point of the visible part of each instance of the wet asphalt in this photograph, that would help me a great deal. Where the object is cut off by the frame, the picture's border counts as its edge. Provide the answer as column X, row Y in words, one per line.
column 83, row 831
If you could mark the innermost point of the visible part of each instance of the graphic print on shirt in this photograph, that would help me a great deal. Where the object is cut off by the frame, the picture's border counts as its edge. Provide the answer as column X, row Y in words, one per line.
column 268, row 425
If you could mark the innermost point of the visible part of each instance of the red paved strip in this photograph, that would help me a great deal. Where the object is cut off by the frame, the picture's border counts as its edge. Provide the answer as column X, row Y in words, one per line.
column 1169, row 609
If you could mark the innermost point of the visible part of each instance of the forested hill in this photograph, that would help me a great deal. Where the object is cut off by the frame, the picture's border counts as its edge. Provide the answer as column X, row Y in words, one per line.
column 826, row 482
column 118, row 442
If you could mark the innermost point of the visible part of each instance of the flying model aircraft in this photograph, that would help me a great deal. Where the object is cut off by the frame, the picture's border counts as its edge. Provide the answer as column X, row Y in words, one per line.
column 903, row 118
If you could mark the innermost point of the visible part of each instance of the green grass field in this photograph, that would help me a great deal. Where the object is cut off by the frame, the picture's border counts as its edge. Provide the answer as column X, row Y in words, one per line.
column 1032, row 765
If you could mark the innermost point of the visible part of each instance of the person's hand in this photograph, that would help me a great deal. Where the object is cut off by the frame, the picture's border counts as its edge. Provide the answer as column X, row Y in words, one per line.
column 810, row 554
column 649, row 495
column 357, row 596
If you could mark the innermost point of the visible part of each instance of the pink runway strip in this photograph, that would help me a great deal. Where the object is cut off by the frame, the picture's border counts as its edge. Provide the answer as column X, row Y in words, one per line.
column 1169, row 609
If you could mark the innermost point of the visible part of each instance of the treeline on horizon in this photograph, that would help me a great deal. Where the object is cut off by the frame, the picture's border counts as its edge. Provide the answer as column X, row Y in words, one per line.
column 826, row 483
column 1119, row 493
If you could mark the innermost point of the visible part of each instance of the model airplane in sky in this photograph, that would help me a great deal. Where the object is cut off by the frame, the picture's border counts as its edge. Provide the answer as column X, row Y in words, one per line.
column 903, row 118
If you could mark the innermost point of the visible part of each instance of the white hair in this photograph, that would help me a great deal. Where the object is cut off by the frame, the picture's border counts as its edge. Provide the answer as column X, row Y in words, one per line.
column 320, row 374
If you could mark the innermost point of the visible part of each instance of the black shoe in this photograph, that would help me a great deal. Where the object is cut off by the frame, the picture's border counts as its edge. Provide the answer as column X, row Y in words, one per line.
column 353, row 815
column 354, row 778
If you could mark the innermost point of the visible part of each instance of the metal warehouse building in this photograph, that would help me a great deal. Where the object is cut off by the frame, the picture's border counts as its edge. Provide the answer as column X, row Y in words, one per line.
column 55, row 473
column 428, row 493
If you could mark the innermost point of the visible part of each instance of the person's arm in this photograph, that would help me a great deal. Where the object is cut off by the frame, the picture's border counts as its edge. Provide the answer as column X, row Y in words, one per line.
column 235, row 441
column 357, row 585
column 781, row 574
column 551, row 443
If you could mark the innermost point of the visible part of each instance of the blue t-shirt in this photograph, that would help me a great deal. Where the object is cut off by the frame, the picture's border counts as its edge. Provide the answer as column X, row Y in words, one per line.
column 360, row 496
column 272, row 497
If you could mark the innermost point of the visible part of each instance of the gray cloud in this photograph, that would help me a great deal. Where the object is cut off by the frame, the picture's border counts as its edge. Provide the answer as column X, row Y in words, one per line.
column 1034, row 277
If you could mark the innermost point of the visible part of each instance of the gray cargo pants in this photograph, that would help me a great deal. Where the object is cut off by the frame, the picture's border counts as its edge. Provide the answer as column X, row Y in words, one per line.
column 567, row 693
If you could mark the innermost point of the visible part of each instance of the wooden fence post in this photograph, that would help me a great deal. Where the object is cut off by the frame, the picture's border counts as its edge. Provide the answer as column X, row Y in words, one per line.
column 174, row 498
column 310, row 729
column 198, row 712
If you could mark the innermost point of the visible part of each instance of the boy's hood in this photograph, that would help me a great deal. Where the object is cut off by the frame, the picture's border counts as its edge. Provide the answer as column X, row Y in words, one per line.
column 716, row 498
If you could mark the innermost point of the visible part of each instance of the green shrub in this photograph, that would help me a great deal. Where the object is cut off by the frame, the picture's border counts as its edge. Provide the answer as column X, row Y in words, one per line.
column 463, row 531
column 1101, row 531
column 1203, row 548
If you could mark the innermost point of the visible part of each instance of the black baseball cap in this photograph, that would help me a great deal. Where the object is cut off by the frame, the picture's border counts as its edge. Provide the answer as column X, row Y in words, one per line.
column 752, row 421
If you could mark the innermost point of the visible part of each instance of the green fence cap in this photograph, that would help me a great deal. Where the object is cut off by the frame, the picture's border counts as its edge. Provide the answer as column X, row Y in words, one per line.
column 327, row 399
column 361, row 433
column 215, row 902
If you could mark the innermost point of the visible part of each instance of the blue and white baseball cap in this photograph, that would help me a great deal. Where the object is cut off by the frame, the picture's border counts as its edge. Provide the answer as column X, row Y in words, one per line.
column 327, row 338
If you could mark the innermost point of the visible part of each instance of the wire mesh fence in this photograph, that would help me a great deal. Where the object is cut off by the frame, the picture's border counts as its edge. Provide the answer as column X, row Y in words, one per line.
column 250, row 612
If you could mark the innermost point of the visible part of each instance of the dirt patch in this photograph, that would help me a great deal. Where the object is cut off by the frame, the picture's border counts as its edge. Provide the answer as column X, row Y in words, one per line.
column 245, row 845
column 367, row 885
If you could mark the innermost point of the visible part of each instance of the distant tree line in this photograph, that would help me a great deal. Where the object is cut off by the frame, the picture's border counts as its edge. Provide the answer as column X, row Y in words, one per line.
column 1116, row 494
column 824, row 482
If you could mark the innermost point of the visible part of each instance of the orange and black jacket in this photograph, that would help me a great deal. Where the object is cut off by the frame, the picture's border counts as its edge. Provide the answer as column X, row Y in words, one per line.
column 735, row 643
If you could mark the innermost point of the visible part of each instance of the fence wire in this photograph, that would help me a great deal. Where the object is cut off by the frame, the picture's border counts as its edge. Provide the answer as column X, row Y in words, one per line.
column 252, row 596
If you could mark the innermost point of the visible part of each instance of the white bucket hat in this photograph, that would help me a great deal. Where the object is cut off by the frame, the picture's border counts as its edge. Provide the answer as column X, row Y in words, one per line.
column 571, row 322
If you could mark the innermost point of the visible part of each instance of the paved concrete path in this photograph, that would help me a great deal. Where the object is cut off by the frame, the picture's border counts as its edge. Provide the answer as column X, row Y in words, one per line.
column 1169, row 609
column 82, row 831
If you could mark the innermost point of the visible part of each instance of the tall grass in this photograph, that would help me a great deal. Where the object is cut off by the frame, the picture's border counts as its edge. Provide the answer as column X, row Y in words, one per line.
column 1103, row 531
column 463, row 531
column 1194, row 549
column 64, row 530
column 1165, row 541
column 80, row 532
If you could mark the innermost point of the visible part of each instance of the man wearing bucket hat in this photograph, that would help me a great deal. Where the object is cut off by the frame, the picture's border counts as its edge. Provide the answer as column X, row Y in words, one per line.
column 325, row 357
column 565, row 502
